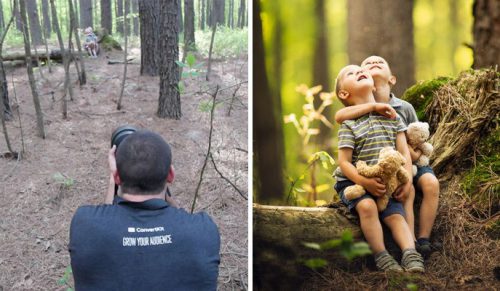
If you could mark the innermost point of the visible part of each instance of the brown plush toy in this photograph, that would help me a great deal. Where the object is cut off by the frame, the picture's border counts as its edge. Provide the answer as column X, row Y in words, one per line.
column 389, row 168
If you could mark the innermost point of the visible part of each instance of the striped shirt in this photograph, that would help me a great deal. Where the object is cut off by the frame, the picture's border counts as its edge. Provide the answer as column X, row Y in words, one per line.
column 367, row 135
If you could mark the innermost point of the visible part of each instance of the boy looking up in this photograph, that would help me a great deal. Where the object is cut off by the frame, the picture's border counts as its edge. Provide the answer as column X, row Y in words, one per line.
column 425, row 180
column 362, row 139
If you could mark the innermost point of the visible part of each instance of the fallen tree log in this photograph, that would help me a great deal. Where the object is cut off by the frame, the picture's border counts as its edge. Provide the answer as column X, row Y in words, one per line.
column 54, row 55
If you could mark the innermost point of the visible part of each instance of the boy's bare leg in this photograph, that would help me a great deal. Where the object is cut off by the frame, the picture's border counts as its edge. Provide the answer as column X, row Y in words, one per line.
column 400, row 231
column 370, row 224
column 408, row 206
column 429, row 185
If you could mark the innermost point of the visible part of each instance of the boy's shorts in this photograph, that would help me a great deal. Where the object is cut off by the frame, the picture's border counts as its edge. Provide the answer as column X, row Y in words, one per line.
column 420, row 172
column 393, row 207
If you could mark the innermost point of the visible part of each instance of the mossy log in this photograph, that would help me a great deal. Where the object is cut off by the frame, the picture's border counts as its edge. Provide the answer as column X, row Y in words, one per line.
column 55, row 55
column 106, row 41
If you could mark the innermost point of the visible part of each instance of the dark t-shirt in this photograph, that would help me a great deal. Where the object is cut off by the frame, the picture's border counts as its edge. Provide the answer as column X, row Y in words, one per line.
column 143, row 246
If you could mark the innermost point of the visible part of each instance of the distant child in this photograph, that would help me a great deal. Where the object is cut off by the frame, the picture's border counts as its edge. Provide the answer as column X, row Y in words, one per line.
column 90, row 42
column 425, row 180
column 362, row 139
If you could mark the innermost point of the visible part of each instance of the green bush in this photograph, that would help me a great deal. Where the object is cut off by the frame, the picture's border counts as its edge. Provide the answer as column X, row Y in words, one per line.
column 228, row 42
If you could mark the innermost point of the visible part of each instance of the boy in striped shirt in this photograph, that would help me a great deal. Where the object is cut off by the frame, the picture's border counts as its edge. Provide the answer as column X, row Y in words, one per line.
column 362, row 139
column 425, row 181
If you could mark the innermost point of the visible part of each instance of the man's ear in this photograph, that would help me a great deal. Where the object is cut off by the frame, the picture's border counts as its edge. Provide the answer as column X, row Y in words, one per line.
column 171, row 174
column 116, row 176
column 392, row 80
column 343, row 94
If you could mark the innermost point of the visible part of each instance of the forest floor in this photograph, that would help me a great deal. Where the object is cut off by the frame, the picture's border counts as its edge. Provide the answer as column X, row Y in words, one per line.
column 38, row 206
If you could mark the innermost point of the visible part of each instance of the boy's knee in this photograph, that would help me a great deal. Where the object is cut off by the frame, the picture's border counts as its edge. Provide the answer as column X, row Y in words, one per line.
column 429, row 185
column 367, row 208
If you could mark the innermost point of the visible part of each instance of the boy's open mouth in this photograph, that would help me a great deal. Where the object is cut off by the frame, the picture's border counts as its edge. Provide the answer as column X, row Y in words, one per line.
column 375, row 66
column 362, row 77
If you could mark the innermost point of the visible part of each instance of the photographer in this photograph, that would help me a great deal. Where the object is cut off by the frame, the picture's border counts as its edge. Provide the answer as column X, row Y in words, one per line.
column 142, row 242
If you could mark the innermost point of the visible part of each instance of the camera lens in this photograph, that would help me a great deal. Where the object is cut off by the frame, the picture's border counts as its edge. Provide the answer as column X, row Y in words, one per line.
column 121, row 133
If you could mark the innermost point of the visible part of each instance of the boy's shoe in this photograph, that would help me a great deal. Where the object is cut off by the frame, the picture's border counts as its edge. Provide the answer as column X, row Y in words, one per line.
column 424, row 247
column 412, row 261
column 386, row 262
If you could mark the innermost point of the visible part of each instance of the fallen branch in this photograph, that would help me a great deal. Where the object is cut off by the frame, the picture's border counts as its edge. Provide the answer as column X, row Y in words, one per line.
column 115, row 62
column 226, row 179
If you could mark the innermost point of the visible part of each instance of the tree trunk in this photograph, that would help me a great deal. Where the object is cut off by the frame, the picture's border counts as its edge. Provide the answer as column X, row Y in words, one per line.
column 181, row 22
column 278, row 236
column 106, row 16
column 2, row 20
column 85, row 14
column 230, row 13
column 19, row 22
column 208, row 10
column 149, row 14
column 218, row 12
column 73, row 26
column 119, row 13
column 169, row 105
column 202, row 15
column 486, row 30
column 135, row 19
column 65, row 55
column 31, row 77
column 268, row 134
column 189, row 42
column 321, row 75
column 125, row 15
column 34, row 22
column 125, row 63
column 241, row 14
column 390, row 36
column 46, row 18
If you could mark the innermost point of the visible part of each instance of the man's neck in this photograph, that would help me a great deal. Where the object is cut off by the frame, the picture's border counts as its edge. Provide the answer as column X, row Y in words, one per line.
column 142, row 197
column 383, row 92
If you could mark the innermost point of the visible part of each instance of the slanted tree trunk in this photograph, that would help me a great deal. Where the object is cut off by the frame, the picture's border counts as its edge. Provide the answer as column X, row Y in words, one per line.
column 86, row 13
column 268, row 135
column 135, row 19
column 82, row 76
column 31, row 77
column 106, row 16
column 47, row 29
column 34, row 22
column 202, row 15
column 65, row 54
column 486, row 30
column 169, row 105
column 149, row 15
column 390, row 36
column 189, row 42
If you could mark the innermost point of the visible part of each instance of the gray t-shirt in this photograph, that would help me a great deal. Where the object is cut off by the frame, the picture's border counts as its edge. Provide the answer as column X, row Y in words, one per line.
column 404, row 109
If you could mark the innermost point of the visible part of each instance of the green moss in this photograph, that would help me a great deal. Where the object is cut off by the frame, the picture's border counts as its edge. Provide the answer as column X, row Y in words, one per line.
column 420, row 94
column 109, row 43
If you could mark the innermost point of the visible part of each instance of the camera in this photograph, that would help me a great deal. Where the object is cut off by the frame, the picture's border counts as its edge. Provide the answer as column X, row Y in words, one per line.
column 121, row 133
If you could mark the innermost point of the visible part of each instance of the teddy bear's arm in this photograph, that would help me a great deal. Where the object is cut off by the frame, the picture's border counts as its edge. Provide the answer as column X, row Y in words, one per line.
column 368, row 171
column 403, row 175
column 426, row 148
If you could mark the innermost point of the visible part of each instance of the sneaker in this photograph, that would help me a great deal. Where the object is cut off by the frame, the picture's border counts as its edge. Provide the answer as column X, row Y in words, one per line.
column 386, row 262
column 424, row 247
column 412, row 261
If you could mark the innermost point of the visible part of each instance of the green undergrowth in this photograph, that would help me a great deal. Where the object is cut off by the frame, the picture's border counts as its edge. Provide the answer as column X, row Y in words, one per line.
column 420, row 94
column 228, row 42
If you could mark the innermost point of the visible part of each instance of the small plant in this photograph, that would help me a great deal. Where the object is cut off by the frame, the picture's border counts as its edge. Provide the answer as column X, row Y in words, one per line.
column 345, row 245
column 64, row 281
column 190, row 69
column 64, row 180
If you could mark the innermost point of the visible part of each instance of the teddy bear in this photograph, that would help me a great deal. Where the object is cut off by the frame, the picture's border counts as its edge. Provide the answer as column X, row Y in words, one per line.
column 417, row 135
column 390, row 168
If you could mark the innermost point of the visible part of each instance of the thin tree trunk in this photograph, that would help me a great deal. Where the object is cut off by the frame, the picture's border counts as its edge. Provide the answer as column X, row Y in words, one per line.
column 67, row 80
column 106, row 16
column 202, row 15
column 241, row 14
column 19, row 22
column 31, row 77
column 47, row 52
column 169, row 104
column 125, row 33
column 390, row 36
column 86, row 13
column 5, row 110
column 209, row 67
column 268, row 135
column 486, row 30
column 47, row 29
column 2, row 20
column 149, row 14
column 83, row 75
column 218, row 12
column 135, row 19
column 125, row 15
column 119, row 14
column 34, row 22
column 180, row 18
column 189, row 41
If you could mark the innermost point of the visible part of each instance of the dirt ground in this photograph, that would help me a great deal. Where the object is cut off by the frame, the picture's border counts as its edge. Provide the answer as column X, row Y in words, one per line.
column 36, row 208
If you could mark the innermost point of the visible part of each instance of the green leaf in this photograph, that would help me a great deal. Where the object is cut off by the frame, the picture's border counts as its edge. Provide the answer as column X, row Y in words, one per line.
column 181, row 87
column 299, row 190
column 314, row 246
column 190, row 60
column 333, row 243
column 180, row 64
column 322, row 188
column 61, row 281
column 316, row 263
column 205, row 106
column 347, row 236
column 412, row 286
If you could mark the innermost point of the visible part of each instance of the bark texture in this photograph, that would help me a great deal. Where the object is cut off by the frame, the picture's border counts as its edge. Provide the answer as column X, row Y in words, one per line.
column 189, row 41
column 486, row 32
column 268, row 134
column 169, row 104
column 241, row 14
column 384, row 29
column 34, row 22
column 86, row 13
column 149, row 14
column 46, row 18
column 106, row 16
